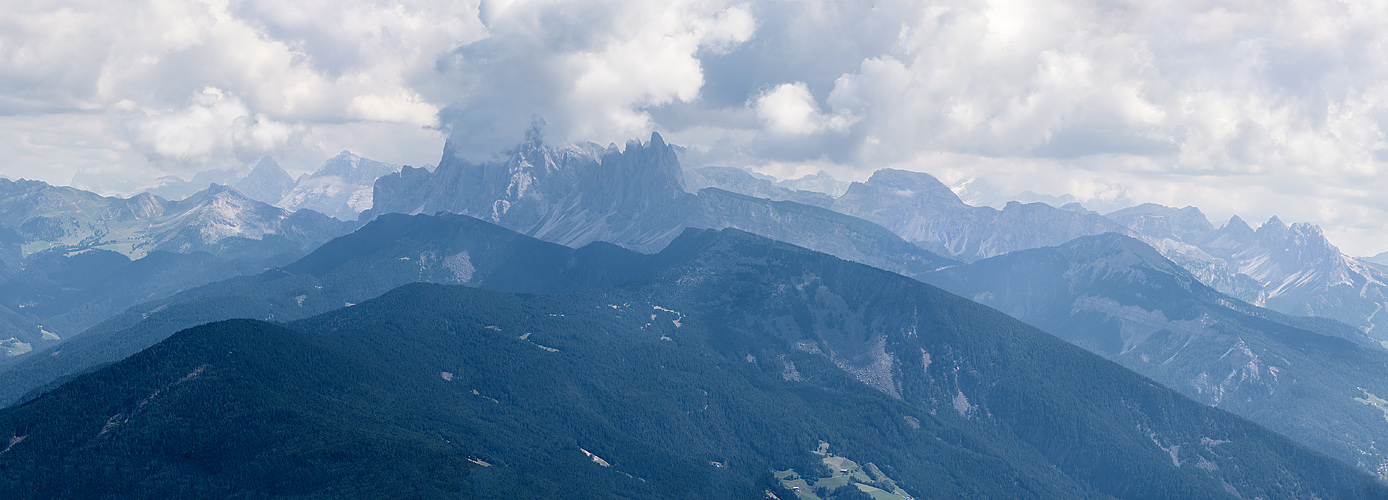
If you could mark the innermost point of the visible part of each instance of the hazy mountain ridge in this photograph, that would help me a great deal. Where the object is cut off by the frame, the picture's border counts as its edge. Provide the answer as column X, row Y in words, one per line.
column 1293, row 269
column 215, row 219
column 925, row 211
column 72, row 258
column 740, row 181
column 824, row 230
column 340, row 188
column 818, row 182
column 1119, row 298
column 1380, row 259
column 391, row 251
column 56, row 295
column 169, row 187
column 571, row 196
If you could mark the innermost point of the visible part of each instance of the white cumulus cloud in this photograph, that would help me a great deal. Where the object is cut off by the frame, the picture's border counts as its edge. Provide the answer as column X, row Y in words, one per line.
column 1251, row 108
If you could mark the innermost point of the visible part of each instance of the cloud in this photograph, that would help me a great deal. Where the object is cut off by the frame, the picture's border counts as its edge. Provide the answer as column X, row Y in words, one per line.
column 592, row 69
column 196, row 85
column 790, row 109
column 214, row 122
column 1252, row 108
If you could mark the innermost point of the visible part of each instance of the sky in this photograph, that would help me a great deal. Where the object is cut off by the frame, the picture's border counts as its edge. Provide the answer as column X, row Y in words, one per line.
column 1238, row 107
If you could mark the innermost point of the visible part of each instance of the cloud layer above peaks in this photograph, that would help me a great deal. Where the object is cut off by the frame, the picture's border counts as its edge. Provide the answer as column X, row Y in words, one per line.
column 1252, row 108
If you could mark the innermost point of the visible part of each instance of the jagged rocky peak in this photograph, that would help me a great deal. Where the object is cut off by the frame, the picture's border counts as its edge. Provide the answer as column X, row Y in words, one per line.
column 1308, row 240
column 1273, row 227
column 653, row 166
column 267, row 163
column 532, row 150
column 543, row 189
column 1236, row 225
column 269, row 169
column 1303, row 239
column 267, row 182
column 1235, row 235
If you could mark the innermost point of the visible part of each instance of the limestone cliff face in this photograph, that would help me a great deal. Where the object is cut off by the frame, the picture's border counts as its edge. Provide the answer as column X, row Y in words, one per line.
column 634, row 196
column 569, row 195
column 341, row 188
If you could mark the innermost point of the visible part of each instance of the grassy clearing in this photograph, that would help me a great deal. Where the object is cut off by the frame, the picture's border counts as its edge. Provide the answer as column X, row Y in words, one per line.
column 842, row 471
column 1374, row 401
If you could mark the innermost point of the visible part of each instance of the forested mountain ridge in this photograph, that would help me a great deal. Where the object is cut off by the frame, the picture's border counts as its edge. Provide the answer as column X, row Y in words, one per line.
column 391, row 251
column 735, row 358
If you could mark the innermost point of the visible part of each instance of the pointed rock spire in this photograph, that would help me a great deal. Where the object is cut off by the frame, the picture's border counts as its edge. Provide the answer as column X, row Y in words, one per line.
column 535, row 135
column 1237, row 223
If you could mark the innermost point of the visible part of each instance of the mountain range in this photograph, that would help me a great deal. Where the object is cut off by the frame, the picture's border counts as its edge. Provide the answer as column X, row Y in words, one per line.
column 632, row 196
column 924, row 211
column 72, row 258
column 391, row 251
column 732, row 358
column 340, row 188
column 1292, row 269
column 731, row 268
column 216, row 220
